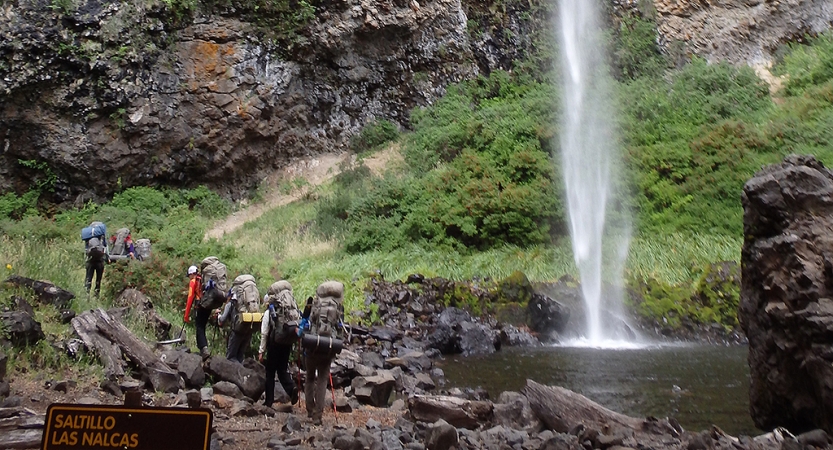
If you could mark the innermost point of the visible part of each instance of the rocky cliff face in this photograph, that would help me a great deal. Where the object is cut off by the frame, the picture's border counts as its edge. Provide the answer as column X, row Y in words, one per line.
column 739, row 31
column 114, row 94
column 786, row 306
column 98, row 95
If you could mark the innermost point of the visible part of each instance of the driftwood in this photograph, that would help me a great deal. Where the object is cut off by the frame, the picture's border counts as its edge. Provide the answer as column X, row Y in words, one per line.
column 20, row 428
column 21, row 438
column 46, row 292
column 457, row 411
column 108, row 353
column 25, row 422
column 153, row 370
column 561, row 409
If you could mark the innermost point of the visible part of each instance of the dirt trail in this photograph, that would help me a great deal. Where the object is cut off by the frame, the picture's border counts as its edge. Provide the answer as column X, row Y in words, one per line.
column 315, row 170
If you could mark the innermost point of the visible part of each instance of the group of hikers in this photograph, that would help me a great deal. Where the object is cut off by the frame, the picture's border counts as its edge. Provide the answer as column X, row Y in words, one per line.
column 317, row 328
column 98, row 250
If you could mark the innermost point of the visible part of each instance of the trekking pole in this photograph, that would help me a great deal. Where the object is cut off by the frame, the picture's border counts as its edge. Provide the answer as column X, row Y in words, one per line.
column 333, row 390
column 298, row 352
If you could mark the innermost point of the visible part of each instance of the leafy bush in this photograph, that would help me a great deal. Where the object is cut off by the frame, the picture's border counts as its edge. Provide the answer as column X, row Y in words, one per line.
column 374, row 136
column 479, row 175
column 808, row 65
column 635, row 50
column 13, row 206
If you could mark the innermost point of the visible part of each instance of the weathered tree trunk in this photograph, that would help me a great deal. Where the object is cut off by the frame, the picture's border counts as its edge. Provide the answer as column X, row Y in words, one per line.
column 153, row 370
column 160, row 375
column 46, row 292
column 108, row 352
column 21, row 438
column 457, row 411
column 20, row 428
column 561, row 409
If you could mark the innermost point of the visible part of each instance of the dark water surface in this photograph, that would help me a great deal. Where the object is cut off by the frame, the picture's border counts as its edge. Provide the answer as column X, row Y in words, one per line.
column 696, row 384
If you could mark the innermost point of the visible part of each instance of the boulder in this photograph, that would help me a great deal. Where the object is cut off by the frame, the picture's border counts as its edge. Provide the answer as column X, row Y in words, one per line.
column 46, row 292
column 21, row 328
column 547, row 317
column 457, row 332
column 374, row 390
column 786, row 304
column 441, row 436
column 458, row 412
column 513, row 411
column 251, row 382
column 412, row 362
column 188, row 365
column 512, row 336
column 228, row 389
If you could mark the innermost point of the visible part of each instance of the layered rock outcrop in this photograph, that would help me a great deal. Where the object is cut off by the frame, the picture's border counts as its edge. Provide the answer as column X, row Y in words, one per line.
column 786, row 306
column 738, row 31
column 97, row 96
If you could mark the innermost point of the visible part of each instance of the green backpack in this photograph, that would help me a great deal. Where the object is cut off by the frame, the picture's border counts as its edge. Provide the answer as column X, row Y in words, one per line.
column 247, row 315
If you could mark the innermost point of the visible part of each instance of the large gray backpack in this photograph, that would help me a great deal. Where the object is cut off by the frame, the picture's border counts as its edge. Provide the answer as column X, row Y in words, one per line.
column 247, row 315
column 283, row 313
column 325, row 319
column 214, row 282
column 119, row 247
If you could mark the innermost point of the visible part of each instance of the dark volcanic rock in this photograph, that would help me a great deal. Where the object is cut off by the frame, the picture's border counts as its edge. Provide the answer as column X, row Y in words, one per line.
column 786, row 290
column 458, row 332
column 21, row 328
column 251, row 382
column 547, row 316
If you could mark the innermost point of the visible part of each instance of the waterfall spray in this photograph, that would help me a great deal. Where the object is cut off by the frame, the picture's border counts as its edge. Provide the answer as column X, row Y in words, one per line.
column 588, row 153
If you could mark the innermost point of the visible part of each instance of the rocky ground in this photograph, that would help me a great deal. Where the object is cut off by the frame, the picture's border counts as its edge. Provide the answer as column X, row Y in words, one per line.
column 388, row 392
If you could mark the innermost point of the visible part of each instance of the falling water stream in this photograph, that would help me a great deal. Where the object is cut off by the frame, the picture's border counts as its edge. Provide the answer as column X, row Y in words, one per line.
column 588, row 158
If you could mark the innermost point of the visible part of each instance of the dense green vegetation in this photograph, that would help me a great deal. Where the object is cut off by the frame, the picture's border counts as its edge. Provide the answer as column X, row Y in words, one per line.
column 479, row 193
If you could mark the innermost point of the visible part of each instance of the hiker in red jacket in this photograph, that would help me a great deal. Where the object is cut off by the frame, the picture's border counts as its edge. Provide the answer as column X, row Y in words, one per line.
column 203, row 314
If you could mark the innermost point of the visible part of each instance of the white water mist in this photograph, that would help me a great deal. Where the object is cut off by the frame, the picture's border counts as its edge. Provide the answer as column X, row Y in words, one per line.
column 589, row 158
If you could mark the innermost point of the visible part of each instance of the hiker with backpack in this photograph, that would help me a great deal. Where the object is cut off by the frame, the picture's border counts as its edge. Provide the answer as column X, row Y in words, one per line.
column 321, row 344
column 206, row 292
column 121, row 245
column 195, row 294
column 278, row 331
column 243, row 312
column 95, row 254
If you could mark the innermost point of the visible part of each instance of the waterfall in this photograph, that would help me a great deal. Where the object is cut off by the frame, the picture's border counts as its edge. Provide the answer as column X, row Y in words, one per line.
column 588, row 148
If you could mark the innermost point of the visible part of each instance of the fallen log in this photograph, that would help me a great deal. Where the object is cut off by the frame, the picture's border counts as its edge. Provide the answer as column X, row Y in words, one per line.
column 20, row 428
column 101, row 329
column 561, row 409
column 457, row 411
column 159, row 374
column 46, row 292
column 23, row 422
column 108, row 353
column 24, row 438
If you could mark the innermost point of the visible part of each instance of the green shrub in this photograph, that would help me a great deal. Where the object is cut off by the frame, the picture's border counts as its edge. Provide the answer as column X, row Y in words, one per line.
column 635, row 50
column 808, row 65
column 373, row 136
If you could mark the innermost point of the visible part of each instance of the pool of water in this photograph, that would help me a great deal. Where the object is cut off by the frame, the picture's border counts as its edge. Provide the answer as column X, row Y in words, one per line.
column 698, row 385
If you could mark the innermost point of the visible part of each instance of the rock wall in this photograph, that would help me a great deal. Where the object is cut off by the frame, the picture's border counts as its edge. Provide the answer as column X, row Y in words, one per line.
column 786, row 306
column 738, row 31
column 99, row 95
column 115, row 94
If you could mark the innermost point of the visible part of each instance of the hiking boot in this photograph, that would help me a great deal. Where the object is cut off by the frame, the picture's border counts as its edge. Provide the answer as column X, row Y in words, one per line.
column 316, row 421
column 205, row 353
column 293, row 399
